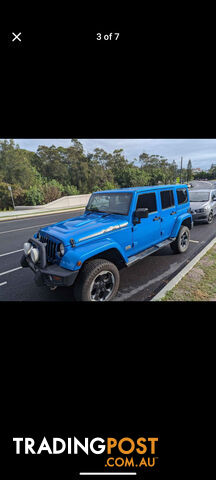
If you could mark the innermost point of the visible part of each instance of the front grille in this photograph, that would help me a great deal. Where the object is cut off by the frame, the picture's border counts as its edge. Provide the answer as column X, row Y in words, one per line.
column 51, row 248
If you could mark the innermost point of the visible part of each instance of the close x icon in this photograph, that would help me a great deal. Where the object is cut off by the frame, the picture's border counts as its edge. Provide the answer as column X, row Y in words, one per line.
column 16, row 36
column 15, row 39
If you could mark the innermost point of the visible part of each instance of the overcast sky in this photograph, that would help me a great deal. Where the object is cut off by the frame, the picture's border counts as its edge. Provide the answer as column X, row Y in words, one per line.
column 202, row 152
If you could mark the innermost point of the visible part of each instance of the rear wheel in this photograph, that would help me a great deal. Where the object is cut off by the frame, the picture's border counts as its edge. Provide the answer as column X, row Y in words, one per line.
column 98, row 281
column 181, row 244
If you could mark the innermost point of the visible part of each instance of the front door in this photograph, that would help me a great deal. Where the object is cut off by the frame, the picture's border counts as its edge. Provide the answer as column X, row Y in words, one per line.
column 147, row 232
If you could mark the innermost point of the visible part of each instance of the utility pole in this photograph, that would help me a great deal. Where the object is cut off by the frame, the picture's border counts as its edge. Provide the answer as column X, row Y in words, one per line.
column 181, row 170
column 10, row 189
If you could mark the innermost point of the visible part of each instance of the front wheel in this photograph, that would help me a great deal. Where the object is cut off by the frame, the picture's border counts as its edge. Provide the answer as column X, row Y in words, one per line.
column 24, row 262
column 181, row 244
column 210, row 217
column 98, row 281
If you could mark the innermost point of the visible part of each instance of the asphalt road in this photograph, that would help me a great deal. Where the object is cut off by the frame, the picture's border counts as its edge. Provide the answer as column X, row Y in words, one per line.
column 138, row 283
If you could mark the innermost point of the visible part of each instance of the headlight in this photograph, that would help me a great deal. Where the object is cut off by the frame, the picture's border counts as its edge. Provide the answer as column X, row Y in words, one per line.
column 201, row 210
column 61, row 249
column 35, row 255
column 27, row 248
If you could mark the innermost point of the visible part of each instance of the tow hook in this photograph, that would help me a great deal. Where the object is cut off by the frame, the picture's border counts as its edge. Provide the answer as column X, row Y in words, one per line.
column 53, row 288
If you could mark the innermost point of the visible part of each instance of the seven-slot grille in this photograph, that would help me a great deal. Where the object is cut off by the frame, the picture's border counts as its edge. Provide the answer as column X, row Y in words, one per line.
column 51, row 248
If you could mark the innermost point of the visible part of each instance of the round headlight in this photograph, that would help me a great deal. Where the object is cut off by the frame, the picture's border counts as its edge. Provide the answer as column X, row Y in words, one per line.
column 27, row 248
column 34, row 255
column 61, row 249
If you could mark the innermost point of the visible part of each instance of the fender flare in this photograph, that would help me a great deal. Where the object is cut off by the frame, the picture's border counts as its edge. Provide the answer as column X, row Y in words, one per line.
column 179, row 222
column 96, row 247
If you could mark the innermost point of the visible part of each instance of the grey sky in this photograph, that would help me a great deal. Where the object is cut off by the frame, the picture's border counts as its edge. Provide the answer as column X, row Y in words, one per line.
column 202, row 152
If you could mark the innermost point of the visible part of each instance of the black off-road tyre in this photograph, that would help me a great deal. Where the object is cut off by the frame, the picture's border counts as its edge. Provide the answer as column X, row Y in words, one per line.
column 181, row 244
column 92, row 274
column 24, row 262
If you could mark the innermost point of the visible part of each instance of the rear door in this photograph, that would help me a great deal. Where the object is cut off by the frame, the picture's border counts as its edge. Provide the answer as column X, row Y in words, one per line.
column 147, row 232
column 168, row 212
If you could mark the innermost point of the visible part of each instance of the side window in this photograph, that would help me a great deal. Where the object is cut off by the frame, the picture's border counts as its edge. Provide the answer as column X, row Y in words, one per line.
column 147, row 200
column 167, row 199
column 182, row 195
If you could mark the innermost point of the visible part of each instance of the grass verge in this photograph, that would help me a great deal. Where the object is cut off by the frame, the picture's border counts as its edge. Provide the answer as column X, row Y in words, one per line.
column 199, row 284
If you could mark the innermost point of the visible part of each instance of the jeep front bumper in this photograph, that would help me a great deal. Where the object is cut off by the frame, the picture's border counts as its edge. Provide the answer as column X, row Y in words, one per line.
column 49, row 275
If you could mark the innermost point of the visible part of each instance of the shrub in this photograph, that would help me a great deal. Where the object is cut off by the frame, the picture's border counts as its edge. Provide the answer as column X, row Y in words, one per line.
column 35, row 196
column 5, row 196
column 71, row 190
column 52, row 190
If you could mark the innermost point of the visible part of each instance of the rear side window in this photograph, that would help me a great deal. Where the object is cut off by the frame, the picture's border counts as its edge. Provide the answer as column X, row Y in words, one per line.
column 167, row 199
column 147, row 200
column 182, row 195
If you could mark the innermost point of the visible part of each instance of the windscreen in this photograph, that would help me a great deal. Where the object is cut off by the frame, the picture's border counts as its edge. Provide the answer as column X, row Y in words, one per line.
column 199, row 196
column 118, row 203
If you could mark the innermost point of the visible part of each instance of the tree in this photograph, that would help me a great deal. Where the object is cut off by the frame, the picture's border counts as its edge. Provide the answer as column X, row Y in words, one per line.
column 15, row 164
column 173, row 169
column 117, row 163
column 51, row 162
column 156, row 167
column 78, row 167
column 189, row 171
column 212, row 171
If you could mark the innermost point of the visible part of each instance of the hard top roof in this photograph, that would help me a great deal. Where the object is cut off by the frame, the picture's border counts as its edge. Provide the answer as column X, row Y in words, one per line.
column 146, row 187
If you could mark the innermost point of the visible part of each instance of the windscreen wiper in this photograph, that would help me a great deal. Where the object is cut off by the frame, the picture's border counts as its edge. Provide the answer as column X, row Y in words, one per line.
column 93, row 210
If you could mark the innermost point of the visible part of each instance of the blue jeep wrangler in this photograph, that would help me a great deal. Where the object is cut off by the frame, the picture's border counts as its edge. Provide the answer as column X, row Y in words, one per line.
column 117, row 229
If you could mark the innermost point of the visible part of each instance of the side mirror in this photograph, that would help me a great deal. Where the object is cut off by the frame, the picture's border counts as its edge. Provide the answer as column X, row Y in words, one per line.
column 214, row 198
column 140, row 213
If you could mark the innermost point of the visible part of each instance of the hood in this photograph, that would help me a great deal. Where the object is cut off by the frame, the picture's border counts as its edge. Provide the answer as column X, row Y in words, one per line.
column 198, row 205
column 85, row 226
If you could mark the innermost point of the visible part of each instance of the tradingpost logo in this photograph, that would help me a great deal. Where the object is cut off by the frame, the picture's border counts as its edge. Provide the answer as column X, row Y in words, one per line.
column 126, row 454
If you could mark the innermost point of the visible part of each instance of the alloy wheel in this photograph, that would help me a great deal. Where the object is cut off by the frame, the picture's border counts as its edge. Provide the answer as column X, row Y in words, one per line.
column 102, row 286
column 184, row 239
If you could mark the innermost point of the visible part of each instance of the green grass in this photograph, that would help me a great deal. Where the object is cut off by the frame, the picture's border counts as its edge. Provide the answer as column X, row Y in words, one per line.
column 199, row 284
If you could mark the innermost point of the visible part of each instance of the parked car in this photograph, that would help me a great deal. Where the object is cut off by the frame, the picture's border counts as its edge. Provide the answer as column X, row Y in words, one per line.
column 117, row 229
column 203, row 205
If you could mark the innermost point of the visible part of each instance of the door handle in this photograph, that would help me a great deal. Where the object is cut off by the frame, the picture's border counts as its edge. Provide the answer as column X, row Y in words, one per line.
column 173, row 213
column 156, row 218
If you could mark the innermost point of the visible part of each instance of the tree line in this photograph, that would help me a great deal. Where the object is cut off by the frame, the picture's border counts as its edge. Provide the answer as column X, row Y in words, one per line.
column 49, row 173
column 209, row 175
